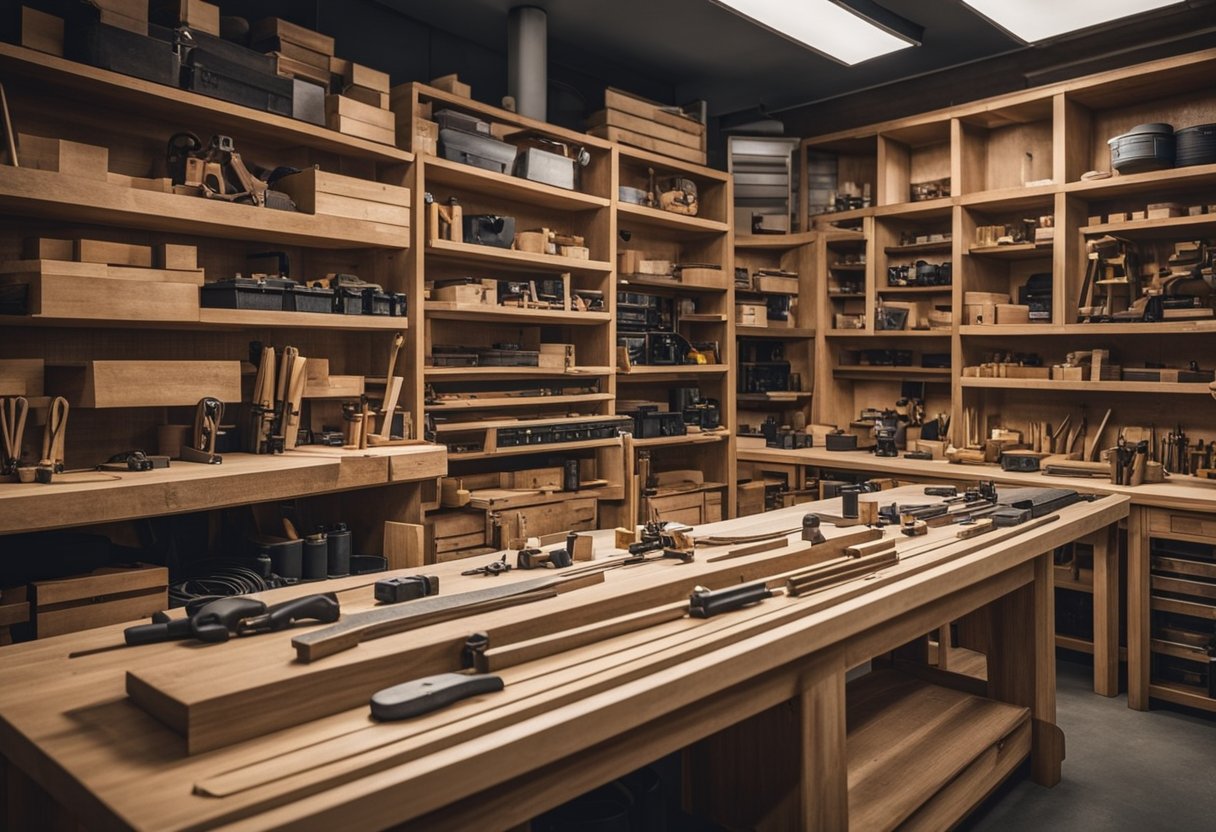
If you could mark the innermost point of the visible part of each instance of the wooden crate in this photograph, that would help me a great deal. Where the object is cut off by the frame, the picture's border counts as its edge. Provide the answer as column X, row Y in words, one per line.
column 41, row 31
column 343, row 105
column 21, row 376
column 511, row 526
column 104, row 384
column 320, row 192
column 110, row 595
column 56, row 295
column 62, row 156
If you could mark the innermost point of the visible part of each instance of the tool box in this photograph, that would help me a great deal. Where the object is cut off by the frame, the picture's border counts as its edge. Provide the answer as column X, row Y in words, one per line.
column 546, row 167
column 489, row 230
column 268, row 295
column 231, row 72
column 650, row 422
column 301, row 298
column 153, row 57
column 476, row 149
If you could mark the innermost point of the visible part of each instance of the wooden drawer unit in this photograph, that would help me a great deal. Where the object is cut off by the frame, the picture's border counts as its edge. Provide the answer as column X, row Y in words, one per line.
column 511, row 526
column 110, row 595
column 1164, row 522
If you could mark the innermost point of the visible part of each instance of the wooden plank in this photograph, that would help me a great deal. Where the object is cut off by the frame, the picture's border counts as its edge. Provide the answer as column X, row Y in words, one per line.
column 637, row 124
column 675, row 151
column 276, row 27
column 70, row 297
column 634, row 105
column 114, row 254
column 824, row 785
column 342, row 105
column 105, row 384
column 404, row 544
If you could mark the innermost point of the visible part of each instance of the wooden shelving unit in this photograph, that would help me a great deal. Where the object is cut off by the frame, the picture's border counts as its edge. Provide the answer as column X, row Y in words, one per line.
column 133, row 119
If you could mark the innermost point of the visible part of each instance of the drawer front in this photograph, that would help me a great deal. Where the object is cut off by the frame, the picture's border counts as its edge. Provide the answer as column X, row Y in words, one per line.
column 1193, row 589
column 1183, row 566
column 1179, row 522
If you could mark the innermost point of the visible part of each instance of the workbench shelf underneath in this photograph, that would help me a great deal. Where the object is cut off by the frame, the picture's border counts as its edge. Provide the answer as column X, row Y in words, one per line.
column 91, row 497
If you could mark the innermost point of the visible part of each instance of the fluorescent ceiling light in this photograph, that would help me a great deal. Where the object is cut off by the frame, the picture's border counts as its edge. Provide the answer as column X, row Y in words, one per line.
column 824, row 26
column 1036, row 20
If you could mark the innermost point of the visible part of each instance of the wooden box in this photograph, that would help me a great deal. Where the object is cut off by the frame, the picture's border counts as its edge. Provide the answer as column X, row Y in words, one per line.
column 750, row 498
column 511, row 527
column 452, row 83
column 483, row 293
column 979, row 314
column 41, row 31
column 319, row 192
column 88, row 161
column 21, row 376
column 111, row 595
column 1068, row 373
column 358, row 75
column 1012, row 313
column 56, row 293
column 342, row 105
column 144, row 383
column 694, row 276
column 751, row 314
column 275, row 27
column 557, row 356
column 1018, row 371
column 776, row 284
column 114, row 254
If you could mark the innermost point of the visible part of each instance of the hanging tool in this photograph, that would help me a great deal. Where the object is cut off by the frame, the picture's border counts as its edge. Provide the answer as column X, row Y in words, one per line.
column 293, row 402
column 201, row 448
column 392, row 392
column 13, row 413
column 261, row 415
column 53, row 437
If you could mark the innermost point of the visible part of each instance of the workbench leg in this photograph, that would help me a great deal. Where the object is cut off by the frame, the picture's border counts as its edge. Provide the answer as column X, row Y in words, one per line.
column 1106, row 611
column 1022, row 665
column 1138, row 615
column 825, row 783
column 26, row 805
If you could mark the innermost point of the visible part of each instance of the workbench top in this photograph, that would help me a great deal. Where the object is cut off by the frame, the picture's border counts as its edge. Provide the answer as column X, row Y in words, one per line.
column 1176, row 492
column 70, row 725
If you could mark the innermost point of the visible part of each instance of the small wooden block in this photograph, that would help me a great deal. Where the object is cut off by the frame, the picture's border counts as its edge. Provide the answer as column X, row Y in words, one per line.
column 584, row 547
column 292, row 68
column 115, row 254
column 341, row 105
column 41, row 31
column 350, row 127
column 276, row 27
column 49, row 248
column 370, row 97
column 121, row 21
column 358, row 75
column 62, row 156
column 173, row 256
column 626, row 537
column 451, row 83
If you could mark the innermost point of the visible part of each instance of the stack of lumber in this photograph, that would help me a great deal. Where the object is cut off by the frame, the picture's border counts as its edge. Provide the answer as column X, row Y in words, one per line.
column 637, row 122
column 362, row 107
column 298, row 52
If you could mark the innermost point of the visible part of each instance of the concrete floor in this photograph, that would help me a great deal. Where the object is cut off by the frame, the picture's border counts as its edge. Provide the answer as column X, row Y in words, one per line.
column 1124, row 769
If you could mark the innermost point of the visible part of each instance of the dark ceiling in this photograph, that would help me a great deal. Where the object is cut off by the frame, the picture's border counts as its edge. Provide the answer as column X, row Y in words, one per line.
column 709, row 53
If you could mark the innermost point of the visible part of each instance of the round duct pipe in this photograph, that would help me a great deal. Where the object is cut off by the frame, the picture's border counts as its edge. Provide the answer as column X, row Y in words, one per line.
column 527, row 60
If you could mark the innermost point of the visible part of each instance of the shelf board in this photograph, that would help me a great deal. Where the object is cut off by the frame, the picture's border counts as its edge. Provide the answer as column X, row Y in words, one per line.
column 1192, row 327
column 172, row 105
column 841, row 216
column 776, row 333
column 444, row 310
column 1080, row 645
column 487, row 183
column 1041, row 197
column 864, row 371
column 1180, row 695
column 926, row 738
column 30, row 192
column 1017, row 251
column 515, row 260
column 917, row 248
column 888, row 333
column 914, row 290
column 687, row 439
column 1076, row 586
column 670, row 372
column 1170, row 228
column 240, row 318
column 495, row 424
column 507, row 402
column 847, row 267
column 927, row 209
column 508, row 373
column 557, row 447
column 669, row 284
column 846, row 295
column 702, row 318
column 1154, row 387
column 773, row 242
column 764, row 398
column 90, row 498
column 1154, row 182
column 629, row 214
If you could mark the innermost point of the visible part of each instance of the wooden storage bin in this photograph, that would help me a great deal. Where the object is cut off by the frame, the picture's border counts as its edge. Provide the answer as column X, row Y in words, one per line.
column 54, row 295
column 104, row 384
column 320, row 192
column 110, row 595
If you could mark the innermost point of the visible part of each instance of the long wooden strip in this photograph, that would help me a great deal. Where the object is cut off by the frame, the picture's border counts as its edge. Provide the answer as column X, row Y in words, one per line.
column 753, row 549
column 389, row 746
column 496, row 659
column 219, row 698
column 853, row 569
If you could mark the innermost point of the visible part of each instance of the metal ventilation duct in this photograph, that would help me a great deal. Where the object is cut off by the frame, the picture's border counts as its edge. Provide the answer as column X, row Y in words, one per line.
column 527, row 60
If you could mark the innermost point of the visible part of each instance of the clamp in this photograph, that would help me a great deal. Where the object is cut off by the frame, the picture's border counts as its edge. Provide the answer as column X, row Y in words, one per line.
column 536, row 559
column 207, row 416
column 13, row 413
column 494, row 567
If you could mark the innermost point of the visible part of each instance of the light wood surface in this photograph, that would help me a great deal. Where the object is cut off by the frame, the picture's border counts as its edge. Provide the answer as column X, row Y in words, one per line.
column 91, row 749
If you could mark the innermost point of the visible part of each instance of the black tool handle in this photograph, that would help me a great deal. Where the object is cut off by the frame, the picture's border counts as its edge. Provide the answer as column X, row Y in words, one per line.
column 214, row 622
column 430, row 693
column 172, row 630
column 322, row 607
column 704, row 603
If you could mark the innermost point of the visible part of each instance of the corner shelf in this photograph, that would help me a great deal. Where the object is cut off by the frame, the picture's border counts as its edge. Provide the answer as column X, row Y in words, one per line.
column 1176, row 228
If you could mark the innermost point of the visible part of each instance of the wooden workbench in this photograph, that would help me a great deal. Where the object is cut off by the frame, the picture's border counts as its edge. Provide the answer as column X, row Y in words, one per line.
column 78, row 750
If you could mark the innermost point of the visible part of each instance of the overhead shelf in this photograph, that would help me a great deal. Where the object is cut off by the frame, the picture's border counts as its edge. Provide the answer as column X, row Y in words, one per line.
column 1166, row 228
column 559, row 447
column 1150, row 182
column 170, row 104
column 442, row 310
column 866, row 371
column 915, row 290
column 513, row 260
column 1017, row 251
column 30, row 192
column 673, row 285
column 512, row 373
column 1201, row 326
column 506, row 402
column 630, row 215
column 687, row 439
column 773, row 242
column 670, row 372
column 487, row 183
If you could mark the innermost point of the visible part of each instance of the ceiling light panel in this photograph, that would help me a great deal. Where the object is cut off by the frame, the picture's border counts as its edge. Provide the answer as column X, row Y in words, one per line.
column 1037, row 20
column 822, row 25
